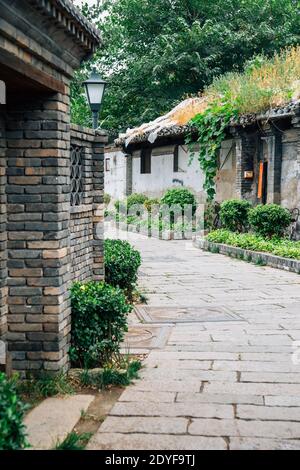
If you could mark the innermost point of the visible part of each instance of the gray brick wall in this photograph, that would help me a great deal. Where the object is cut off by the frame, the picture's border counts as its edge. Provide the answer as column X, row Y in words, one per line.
column 3, row 236
column 49, row 243
column 86, row 224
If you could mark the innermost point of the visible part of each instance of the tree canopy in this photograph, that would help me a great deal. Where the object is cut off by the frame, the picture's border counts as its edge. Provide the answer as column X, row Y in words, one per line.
column 156, row 52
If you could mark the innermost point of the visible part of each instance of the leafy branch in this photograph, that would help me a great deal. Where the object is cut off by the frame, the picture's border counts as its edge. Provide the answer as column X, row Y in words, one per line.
column 210, row 127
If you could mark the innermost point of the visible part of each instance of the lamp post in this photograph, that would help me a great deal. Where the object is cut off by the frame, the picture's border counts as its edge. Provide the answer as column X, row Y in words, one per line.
column 94, row 88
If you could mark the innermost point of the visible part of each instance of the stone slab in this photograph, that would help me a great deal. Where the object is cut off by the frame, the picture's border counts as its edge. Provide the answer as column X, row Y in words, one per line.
column 119, row 441
column 53, row 419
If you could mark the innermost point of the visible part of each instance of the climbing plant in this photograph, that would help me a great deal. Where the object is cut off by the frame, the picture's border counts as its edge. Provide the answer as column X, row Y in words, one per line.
column 209, row 127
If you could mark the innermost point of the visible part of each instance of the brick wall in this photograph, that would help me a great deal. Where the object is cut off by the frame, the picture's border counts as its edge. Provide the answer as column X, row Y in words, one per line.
column 50, row 242
column 3, row 236
column 86, row 244
column 38, row 141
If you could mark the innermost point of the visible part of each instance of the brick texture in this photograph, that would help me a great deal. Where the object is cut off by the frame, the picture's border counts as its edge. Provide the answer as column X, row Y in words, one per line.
column 46, row 243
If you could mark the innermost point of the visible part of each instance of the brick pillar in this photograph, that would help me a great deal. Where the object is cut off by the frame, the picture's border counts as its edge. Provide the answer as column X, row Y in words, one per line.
column 274, row 156
column 38, row 234
column 98, row 206
column 246, row 149
column 3, row 235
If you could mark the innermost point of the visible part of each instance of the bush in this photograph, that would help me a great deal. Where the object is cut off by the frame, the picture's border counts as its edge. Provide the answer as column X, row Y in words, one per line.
column 269, row 220
column 99, row 320
column 180, row 196
column 106, row 199
column 151, row 202
column 234, row 214
column 120, row 205
column 12, row 410
column 136, row 199
column 121, row 262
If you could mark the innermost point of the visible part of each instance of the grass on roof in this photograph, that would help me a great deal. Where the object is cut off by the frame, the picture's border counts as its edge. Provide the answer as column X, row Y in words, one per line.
column 265, row 83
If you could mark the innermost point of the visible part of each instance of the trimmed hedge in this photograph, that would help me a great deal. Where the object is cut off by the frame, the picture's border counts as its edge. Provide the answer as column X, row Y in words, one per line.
column 234, row 214
column 179, row 196
column 269, row 220
column 121, row 262
column 99, row 321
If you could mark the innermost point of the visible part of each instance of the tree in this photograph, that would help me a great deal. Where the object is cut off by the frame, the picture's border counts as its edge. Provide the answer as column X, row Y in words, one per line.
column 155, row 52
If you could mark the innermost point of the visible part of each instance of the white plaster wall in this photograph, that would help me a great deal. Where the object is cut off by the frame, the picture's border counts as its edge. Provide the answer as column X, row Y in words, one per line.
column 162, row 175
column 115, row 177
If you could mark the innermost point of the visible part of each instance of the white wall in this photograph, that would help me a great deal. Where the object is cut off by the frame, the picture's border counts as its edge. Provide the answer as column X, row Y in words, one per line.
column 115, row 177
column 162, row 175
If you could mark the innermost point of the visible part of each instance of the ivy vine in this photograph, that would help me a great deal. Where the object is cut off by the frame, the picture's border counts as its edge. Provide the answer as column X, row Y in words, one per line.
column 210, row 128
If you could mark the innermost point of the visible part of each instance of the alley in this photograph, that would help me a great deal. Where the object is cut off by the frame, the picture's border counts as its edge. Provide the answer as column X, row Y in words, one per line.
column 221, row 341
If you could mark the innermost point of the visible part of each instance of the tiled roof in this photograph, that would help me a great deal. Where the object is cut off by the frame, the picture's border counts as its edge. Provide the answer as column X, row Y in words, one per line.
column 164, row 127
column 70, row 18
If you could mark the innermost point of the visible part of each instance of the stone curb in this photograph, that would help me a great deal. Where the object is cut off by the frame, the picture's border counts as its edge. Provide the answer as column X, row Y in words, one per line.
column 267, row 259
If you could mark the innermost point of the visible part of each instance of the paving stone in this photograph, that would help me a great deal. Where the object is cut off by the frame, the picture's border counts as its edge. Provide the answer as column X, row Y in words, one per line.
column 271, row 377
column 185, row 375
column 156, row 397
column 166, row 385
column 219, row 398
column 252, row 388
column 253, row 428
column 282, row 400
column 268, row 412
column 256, row 366
column 244, row 443
column 203, row 410
column 53, row 419
column 151, row 425
column 118, row 441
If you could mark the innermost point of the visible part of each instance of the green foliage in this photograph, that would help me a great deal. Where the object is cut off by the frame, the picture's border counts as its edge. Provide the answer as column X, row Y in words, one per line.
column 149, row 203
column 249, row 241
column 234, row 214
column 136, row 198
column 179, row 196
column 121, row 262
column 111, row 376
column 74, row 441
column 269, row 220
column 99, row 320
column 46, row 385
column 12, row 410
column 156, row 51
column 106, row 199
column 210, row 127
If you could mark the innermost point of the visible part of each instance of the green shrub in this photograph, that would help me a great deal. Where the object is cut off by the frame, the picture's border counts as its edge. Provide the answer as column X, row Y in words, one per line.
column 12, row 410
column 120, row 205
column 99, row 320
column 136, row 199
column 121, row 262
column 179, row 196
column 234, row 214
column 151, row 202
column 106, row 199
column 269, row 220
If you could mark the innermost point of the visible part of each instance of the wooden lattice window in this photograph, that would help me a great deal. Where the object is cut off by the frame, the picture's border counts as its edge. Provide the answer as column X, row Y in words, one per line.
column 76, row 175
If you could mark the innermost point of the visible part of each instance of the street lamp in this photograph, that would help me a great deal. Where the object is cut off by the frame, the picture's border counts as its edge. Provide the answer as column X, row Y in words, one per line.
column 94, row 88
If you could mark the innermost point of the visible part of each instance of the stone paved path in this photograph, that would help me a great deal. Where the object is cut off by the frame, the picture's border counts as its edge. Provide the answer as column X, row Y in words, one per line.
column 220, row 374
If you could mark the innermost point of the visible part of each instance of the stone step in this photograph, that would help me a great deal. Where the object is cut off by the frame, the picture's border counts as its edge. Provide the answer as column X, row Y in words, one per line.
column 53, row 419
